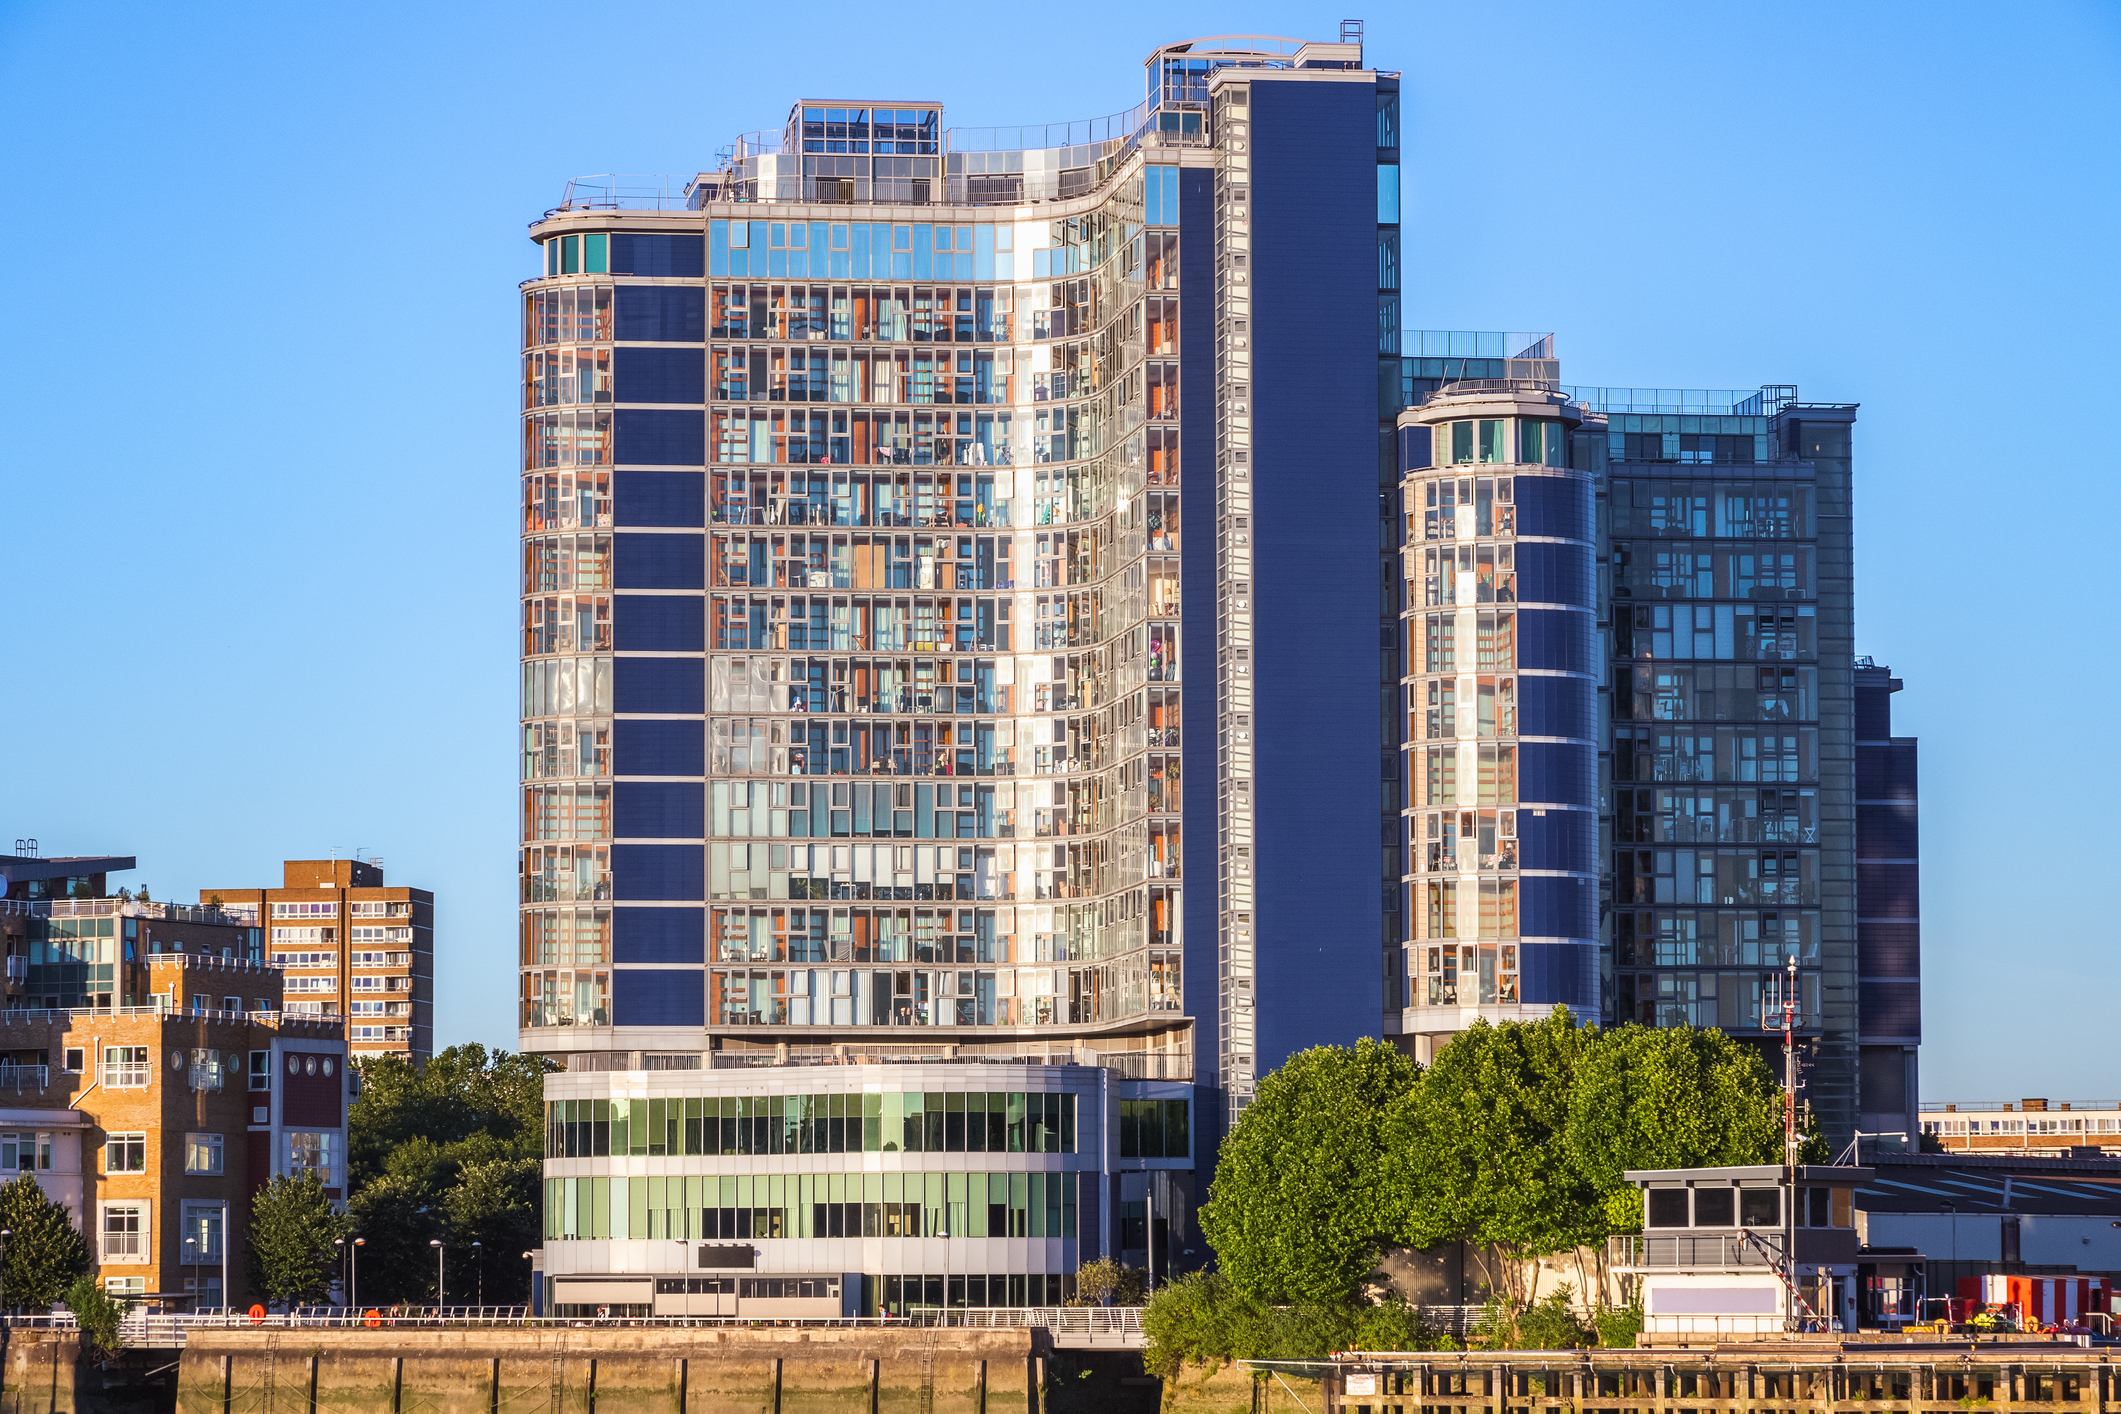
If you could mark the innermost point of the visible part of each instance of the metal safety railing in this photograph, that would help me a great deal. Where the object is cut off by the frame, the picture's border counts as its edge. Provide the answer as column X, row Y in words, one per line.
column 170, row 1330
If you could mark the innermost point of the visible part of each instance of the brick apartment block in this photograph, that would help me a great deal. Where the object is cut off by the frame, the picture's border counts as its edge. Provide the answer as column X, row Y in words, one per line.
column 350, row 948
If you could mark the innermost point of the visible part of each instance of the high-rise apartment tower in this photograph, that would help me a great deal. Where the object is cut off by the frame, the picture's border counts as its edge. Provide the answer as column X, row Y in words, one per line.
column 947, row 566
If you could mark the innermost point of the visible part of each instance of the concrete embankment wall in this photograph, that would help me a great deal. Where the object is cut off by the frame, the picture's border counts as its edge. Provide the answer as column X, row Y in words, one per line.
column 40, row 1372
column 574, row 1370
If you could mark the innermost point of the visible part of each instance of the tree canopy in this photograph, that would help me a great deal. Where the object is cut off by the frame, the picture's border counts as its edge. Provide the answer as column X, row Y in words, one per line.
column 452, row 1149
column 1515, row 1138
column 1302, row 1202
column 290, row 1256
column 44, row 1248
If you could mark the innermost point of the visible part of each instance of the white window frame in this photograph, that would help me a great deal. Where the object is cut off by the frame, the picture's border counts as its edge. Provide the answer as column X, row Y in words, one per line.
column 121, row 1137
column 144, row 1238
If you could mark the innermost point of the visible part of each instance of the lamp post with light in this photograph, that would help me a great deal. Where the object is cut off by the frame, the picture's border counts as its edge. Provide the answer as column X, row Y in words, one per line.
column 436, row 1243
column 478, row 1266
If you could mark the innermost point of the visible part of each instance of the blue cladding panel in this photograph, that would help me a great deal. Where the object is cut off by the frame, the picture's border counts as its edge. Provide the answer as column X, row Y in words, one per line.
column 1553, row 574
column 658, row 437
column 1559, row 972
column 660, row 314
column 1558, row 839
column 1196, row 200
column 659, row 561
column 1553, row 707
column 1557, row 773
column 658, row 998
column 672, row 256
column 658, row 871
column 659, row 497
column 659, row 685
column 1316, row 793
column 1414, row 448
column 1562, row 639
column 654, row 623
column 658, row 748
column 659, row 935
column 1554, row 505
column 1196, row 292
column 658, row 810
column 659, row 375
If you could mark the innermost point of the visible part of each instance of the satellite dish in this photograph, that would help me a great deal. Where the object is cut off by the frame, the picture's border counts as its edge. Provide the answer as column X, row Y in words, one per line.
column 3, row 885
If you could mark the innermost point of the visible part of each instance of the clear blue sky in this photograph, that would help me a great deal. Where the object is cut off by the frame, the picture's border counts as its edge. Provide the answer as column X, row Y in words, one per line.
column 261, row 549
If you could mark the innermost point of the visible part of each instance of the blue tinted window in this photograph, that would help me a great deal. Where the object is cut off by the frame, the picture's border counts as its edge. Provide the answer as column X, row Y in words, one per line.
column 658, row 871
column 657, row 437
column 658, row 685
column 670, row 255
column 663, row 314
column 659, row 561
column 658, row 998
column 658, row 748
column 643, row 623
column 658, row 810
column 658, row 935
column 659, row 375
column 1388, row 195
column 660, row 497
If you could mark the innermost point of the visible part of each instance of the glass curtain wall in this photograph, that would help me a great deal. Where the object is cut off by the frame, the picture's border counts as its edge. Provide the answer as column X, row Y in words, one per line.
column 941, row 621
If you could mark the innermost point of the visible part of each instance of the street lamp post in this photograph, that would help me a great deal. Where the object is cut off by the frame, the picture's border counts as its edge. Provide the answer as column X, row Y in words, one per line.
column 531, row 1257
column 478, row 1265
column 436, row 1243
column 5, row 1234
column 345, row 1293
column 353, row 1293
column 191, row 1259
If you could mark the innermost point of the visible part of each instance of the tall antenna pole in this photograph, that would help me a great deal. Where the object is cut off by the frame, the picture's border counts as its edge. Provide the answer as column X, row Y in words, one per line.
column 1789, row 1121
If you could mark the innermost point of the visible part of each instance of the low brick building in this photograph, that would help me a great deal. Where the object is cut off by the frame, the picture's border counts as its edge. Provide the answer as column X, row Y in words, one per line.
column 155, row 1123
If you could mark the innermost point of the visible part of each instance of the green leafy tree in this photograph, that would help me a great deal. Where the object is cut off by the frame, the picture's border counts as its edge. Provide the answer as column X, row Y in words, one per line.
column 396, row 1219
column 44, row 1249
column 289, row 1256
column 465, row 1105
column 1667, row 1097
column 1300, row 1208
column 494, row 1203
column 1480, row 1146
column 97, row 1316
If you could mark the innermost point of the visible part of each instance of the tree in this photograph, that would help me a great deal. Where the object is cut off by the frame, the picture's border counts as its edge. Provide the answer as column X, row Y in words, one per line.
column 289, row 1256
column 1300, row 1208
column 397, row 1219
column 1479, row 1147
column 97, row 1316
column 423, row 1116
column 1667, row 1097
column 496, row 1204
column 1104, row 1282
column 44, row 1251
column 1663, row 1098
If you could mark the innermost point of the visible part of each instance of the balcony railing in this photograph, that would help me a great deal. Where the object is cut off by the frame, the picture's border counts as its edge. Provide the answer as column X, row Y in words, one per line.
column 24, row 1077
column 1635, row 1251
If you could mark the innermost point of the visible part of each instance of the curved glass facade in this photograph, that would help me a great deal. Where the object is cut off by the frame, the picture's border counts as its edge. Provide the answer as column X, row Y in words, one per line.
column 1501, row 710
column 851, row 612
